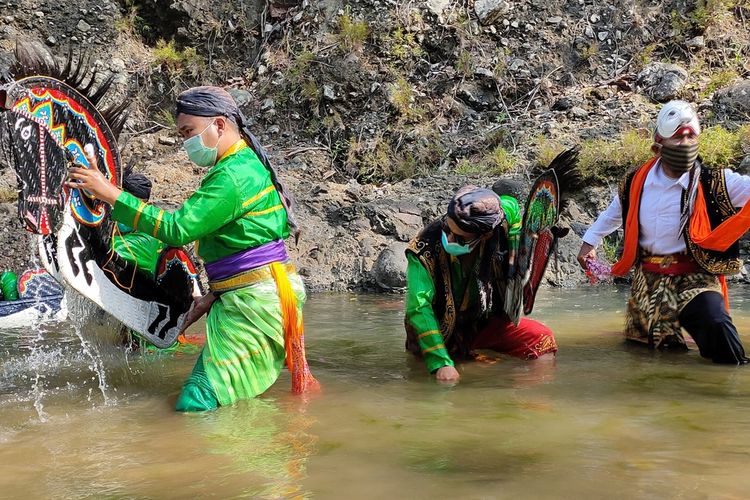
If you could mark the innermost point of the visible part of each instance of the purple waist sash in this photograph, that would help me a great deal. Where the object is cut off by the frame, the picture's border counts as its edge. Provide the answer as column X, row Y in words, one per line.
column 274, row 251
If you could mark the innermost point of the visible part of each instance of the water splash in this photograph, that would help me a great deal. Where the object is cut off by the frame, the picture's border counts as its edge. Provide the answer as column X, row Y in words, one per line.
column 86, row 317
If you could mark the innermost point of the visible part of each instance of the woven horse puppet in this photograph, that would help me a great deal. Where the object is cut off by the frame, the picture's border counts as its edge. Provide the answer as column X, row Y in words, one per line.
column 49, row 113
column 539, row 234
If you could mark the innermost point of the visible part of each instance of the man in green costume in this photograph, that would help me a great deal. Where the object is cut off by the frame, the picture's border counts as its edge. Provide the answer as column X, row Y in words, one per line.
column 456, row 269
column 239, row 218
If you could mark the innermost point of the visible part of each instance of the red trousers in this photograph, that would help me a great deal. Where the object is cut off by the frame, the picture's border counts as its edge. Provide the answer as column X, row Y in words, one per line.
column 529, row 340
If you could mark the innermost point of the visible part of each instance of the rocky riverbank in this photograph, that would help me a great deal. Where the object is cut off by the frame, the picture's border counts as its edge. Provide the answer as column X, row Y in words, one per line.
column 375, row 111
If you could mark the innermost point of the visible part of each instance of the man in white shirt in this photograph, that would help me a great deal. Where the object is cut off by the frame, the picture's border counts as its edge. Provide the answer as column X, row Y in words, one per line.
column 670, row 205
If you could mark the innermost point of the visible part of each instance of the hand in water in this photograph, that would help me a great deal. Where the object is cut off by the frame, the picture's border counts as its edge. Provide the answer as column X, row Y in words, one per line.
column 201, row 305
column 447, row 374
column 92, row 180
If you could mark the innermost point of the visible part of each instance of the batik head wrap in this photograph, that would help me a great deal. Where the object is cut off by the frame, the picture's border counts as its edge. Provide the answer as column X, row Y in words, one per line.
column 214, row 101
column 478, row 210
column 475, row 210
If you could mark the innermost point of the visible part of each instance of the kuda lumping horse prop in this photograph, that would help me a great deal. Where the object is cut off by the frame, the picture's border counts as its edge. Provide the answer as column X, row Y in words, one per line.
column 49, row 114
column 539, row 235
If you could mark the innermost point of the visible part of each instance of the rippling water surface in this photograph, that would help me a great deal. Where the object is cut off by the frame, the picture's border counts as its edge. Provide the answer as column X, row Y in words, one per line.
column 80, row 418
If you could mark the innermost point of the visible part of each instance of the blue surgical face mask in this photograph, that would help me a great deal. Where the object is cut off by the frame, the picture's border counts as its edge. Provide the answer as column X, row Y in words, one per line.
column 198, row 152
column 454, row 248
column 123, row 228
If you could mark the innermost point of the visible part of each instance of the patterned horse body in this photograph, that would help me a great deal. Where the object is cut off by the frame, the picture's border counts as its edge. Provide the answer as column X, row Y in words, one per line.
column 48, row 117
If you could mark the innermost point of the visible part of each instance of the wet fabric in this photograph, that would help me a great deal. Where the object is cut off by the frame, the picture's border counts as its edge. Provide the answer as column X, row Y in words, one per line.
column 244, row 352
column 706, row 320
column 656, row 301
column 529, row 340
column 475, row 210
column 197, row 393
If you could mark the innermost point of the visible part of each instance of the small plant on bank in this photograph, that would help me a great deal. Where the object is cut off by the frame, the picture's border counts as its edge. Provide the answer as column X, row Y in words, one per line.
column 178, row 61
column 546, row 150
column 718, row 80
column 165, row 118
column 129, row 23
column 402, row 97
column 602, row 159
column 499, row 161
column 588, row 52
column 8, row 194
column 464, row 166
column 352, row 34
column 720, row 148
column 465, row 64
column 403, row 45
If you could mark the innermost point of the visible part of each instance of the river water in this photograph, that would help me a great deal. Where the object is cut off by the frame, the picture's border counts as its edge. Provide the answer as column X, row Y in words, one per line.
column 82, row 419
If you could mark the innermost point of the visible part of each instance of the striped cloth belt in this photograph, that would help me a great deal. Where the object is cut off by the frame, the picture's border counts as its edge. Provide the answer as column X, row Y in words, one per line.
column 247, row 278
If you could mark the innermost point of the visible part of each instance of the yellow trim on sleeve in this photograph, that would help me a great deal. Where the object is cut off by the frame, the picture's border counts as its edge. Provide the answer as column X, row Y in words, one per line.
column 258, row 196
column 433, row 348
column 427, row 333
column 158, row 223
column 138, row 214
column 263, row 212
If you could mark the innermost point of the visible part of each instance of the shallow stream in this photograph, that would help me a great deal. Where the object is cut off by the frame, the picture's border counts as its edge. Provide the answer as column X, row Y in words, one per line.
column 82, row 419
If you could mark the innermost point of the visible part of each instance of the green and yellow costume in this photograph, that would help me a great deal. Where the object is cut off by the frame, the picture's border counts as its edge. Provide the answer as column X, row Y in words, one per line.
column 236, row 208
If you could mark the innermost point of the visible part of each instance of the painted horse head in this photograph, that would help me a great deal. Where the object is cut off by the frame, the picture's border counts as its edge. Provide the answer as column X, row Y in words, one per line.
column 49, row 115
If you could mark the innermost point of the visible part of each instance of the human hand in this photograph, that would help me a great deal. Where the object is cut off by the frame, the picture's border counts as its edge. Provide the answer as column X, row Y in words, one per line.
column 447, row 374
column 201, row 305
column 587, row 252
column 91, row 179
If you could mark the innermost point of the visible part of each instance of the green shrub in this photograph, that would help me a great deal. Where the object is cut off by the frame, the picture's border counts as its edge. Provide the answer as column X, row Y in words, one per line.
column 8, row 194
column 352, row 34
column 178, row 61
column 546, row 150
column 720, row 148
column 718, row 80
column 602, row 159
column 464, row 166
column 499, row 161
column 403, row 45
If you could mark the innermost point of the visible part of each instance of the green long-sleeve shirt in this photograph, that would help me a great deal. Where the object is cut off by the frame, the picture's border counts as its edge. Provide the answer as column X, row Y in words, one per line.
column 421, row 292
column 419, row 312
column 139, row 249
column 235, row 208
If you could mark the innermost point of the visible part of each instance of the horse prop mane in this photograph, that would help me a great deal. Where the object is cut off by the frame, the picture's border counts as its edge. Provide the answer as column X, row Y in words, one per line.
column 48, row 113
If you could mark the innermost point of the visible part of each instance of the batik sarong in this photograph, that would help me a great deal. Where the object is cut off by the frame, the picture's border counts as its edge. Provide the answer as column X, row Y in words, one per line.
column 656, row 301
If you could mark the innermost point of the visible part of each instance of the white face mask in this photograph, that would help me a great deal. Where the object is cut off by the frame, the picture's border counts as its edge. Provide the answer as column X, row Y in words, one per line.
column 198, row 152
